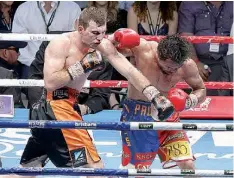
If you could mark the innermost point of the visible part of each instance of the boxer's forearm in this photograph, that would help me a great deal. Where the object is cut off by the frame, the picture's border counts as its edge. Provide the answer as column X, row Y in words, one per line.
column 201, row 94
column 57, row 80
column 125, row 68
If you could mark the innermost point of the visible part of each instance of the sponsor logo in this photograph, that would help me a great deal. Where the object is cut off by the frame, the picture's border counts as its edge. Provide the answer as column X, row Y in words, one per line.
column 125, row 135
column 60, row 94
column 38, row 38
column 145, row 126
column 178, row 149
column 85, row 124
column 144, row 156
column 143, row 171
column 228, row 172
column 142, row 110
column 126, row 156
column 229, row 127
column 203, row 106
column 186, row 171
column 36, row 124
column 79, row 156
column 189, row 126
column 144, row 166
column 179, row 135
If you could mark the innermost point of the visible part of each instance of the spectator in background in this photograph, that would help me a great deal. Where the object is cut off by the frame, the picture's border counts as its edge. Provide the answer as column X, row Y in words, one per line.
column 230, row 46
column 153, row 17
column 90, row 100
column 82, row 4
column 9, row 52
column 116, row 19
column 6, row 14
column 227, row 69
column 40, row 17
column 207, row 18
column 8, row 74
column 125, row 4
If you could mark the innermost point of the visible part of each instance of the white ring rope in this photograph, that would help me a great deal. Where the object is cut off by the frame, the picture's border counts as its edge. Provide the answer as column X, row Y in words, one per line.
column 27, row 37
column 28, row 83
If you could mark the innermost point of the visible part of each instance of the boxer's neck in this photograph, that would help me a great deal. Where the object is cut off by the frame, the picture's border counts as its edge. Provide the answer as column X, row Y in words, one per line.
column 84, row 48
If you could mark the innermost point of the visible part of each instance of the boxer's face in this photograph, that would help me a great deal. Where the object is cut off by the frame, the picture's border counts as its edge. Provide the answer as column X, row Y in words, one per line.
column 168, row 67
column 93, row 34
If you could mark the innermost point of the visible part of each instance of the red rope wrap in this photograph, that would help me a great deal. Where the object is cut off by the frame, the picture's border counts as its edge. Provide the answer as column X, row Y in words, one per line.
column 196, row 39
column 124, row 84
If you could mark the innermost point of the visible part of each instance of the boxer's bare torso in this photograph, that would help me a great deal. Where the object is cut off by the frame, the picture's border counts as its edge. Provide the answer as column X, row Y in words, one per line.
column 145, row 60
column 72, row 54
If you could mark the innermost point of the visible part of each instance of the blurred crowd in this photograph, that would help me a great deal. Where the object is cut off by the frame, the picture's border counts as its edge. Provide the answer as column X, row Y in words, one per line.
column 24, row 60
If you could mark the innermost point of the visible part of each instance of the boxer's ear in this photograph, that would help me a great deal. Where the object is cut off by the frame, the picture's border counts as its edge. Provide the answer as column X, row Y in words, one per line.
column 80, row 29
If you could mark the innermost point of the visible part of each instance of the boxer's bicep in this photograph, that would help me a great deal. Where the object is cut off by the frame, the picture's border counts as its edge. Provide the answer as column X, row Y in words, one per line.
column 55, row 56
column 55, row 74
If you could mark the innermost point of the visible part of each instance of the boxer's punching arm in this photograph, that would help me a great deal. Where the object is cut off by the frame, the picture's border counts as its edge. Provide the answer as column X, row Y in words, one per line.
column 194, row 80
column 180, row 99
column 127, row 50
column 55, row 74
column 137, row 79
column 122, row 65
column 130, row 52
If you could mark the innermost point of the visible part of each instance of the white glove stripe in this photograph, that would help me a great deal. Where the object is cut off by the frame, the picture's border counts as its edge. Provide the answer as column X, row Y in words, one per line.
column 192, row 101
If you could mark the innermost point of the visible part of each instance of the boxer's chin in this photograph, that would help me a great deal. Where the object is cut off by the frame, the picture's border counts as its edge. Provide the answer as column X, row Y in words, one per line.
column 94, row 45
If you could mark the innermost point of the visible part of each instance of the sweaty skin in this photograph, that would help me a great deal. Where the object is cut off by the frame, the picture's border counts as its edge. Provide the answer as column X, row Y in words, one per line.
column 57, row 61
column 145, row 59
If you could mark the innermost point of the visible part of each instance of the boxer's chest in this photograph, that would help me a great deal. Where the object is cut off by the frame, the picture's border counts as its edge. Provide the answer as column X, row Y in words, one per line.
column 165, row 82
column 161, row 81
column 74, row 57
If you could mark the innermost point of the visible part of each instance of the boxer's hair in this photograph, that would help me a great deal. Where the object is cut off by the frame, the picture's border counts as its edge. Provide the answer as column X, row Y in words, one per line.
column 92, row 14
column 175, row 48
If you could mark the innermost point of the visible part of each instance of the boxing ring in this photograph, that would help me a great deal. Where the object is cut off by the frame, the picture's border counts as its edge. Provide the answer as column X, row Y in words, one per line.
column 209, row 127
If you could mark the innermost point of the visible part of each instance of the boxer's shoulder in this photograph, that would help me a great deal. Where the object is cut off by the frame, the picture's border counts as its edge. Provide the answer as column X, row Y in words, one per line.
column 189, row 68
column 61, row 42
column 189, row 64
column 144, row 46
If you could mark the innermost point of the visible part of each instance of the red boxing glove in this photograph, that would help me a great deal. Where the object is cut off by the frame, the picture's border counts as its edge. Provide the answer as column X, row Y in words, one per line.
column 182, row 100
column 127, row 38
